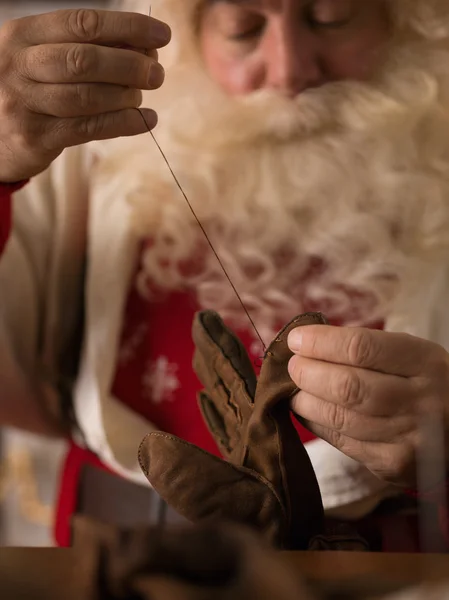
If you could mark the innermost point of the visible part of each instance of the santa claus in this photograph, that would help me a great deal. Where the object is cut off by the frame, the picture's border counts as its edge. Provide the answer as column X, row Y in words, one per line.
column 311, row 141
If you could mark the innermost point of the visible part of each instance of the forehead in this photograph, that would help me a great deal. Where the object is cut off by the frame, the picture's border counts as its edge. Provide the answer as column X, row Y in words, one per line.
column 258, row 3
column 275, row 5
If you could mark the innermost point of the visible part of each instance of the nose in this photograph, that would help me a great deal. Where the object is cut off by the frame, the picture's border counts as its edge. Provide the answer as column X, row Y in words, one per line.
column 292, row 60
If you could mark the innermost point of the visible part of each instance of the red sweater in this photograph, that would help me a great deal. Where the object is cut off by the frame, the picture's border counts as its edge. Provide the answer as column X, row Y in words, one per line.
column 169, row 375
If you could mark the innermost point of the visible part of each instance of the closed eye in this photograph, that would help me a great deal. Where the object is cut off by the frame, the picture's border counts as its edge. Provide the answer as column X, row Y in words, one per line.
column 249, row 34
column 330, row 13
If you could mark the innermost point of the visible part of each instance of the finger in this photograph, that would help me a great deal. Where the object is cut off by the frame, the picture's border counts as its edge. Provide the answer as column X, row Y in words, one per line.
column 87, row 63
column 154, row 54
column 90, row 26
column 390, row 462
column 392, row 353
column 361, row 390
column 349, row 423
column 63, row 133
column 81, row 99
column 151, row 53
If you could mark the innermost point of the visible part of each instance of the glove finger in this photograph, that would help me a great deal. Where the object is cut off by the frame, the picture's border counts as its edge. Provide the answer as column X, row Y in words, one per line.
column 274, row 446
column 223, row 366
column 200, row 486
column 274, row 366
column 220, row 354
column 216, row 425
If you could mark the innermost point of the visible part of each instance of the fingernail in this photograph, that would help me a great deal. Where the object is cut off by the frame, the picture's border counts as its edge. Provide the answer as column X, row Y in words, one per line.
column 161, row 32
column 156, row 76
column 295, row 340
column 149, row 116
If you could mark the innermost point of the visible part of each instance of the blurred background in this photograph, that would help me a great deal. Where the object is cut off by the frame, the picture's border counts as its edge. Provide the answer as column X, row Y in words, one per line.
column 29, row 465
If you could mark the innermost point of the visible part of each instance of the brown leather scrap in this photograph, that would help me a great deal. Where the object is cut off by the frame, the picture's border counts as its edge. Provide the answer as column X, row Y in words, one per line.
column 219, row 562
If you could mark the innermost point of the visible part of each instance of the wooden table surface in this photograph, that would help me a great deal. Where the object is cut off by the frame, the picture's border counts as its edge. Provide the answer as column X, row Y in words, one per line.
column 21, row 569
column 407, row 568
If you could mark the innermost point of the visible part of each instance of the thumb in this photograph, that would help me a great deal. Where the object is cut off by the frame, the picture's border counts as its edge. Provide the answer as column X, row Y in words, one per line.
column 200, row 486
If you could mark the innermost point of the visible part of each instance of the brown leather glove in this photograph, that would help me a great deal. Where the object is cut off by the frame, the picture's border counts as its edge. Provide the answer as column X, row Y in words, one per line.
column 267, row 480
column 196, row 563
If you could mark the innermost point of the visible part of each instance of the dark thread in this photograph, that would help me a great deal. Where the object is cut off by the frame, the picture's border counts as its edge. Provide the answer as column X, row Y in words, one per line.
column 203, row 230
column 200, row 224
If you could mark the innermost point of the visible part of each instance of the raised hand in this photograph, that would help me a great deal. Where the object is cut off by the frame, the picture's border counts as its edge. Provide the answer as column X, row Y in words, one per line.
column 70, row 77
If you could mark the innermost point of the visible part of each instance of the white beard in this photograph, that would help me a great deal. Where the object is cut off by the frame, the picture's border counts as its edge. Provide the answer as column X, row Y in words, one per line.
column 354, row 174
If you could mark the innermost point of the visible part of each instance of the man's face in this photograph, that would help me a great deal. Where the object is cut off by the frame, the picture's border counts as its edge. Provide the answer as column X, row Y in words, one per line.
column 290, row 46
column 308, row 128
